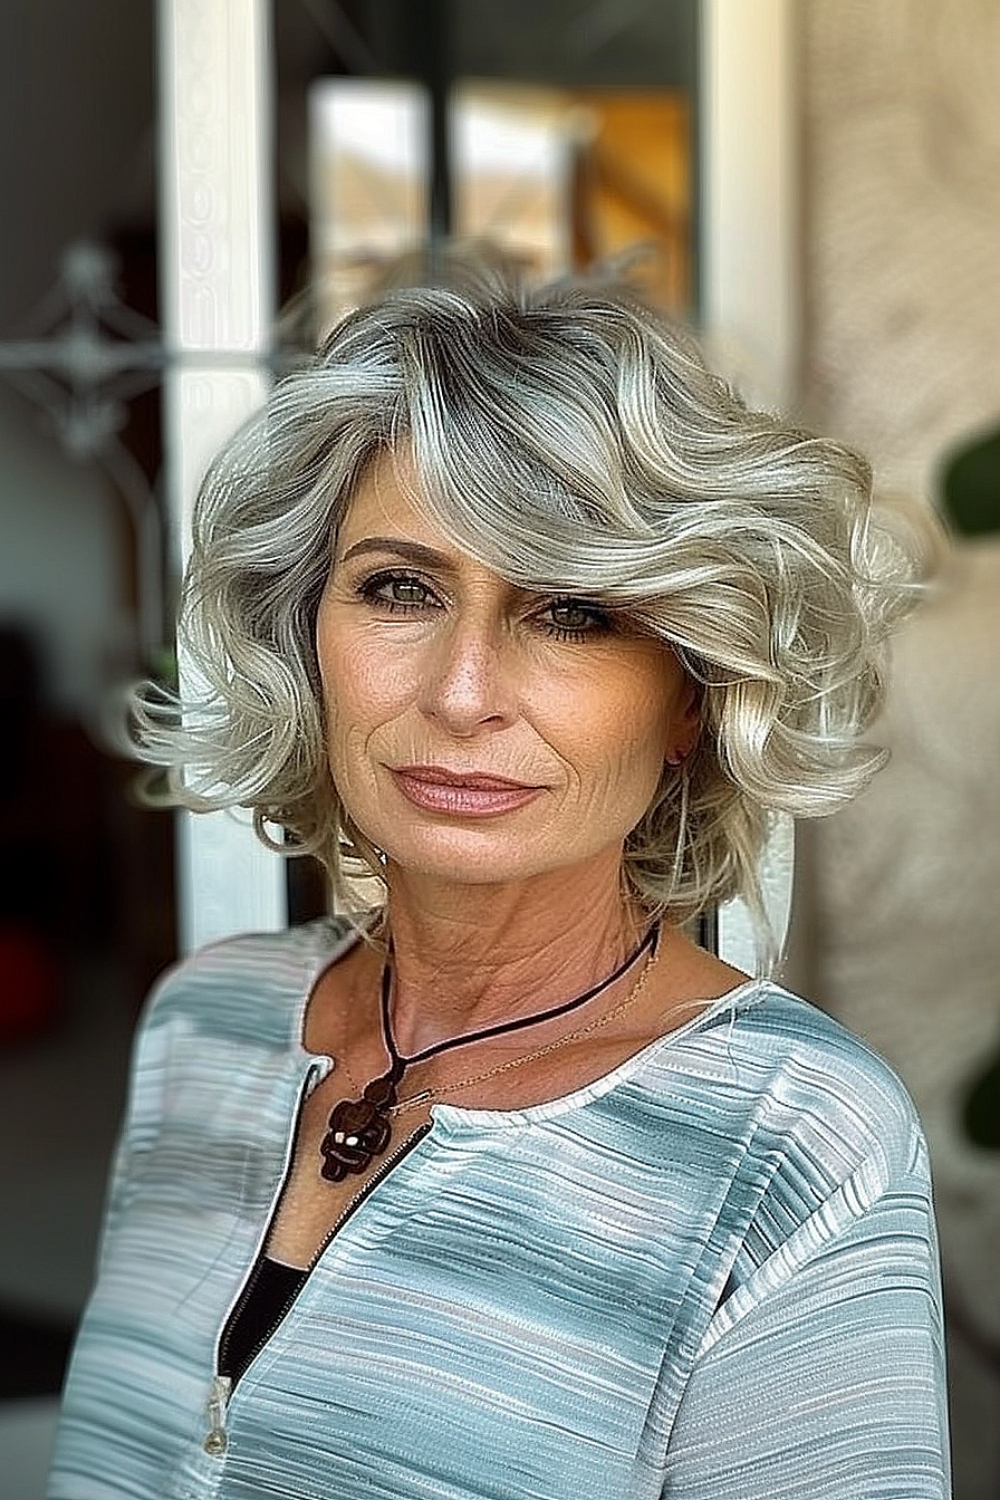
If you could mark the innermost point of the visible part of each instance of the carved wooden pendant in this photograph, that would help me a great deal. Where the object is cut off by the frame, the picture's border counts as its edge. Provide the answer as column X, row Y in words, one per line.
column 358, row 1130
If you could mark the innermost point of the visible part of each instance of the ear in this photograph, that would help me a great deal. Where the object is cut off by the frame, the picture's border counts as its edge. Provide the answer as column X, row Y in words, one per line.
column 685, row 728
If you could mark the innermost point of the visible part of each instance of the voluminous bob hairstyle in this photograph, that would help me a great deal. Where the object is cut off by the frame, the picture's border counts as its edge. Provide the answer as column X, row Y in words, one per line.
column 574, row 442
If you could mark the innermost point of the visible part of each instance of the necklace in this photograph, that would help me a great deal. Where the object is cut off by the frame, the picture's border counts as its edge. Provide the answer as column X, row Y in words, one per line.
column 358, row 1130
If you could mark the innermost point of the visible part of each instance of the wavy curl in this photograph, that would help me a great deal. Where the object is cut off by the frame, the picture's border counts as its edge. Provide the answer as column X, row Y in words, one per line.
column 573, row 441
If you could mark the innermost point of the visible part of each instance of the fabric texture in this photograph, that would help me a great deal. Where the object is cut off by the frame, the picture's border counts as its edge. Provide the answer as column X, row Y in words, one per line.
column 710, row 1275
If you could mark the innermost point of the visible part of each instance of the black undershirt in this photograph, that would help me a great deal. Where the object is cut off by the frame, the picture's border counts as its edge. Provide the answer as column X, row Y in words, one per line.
column 273, row 1288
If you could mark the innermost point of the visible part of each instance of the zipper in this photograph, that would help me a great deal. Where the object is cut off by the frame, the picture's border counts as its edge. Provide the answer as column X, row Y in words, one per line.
column 216, row 1439
column 352, row 1206
column 220, row 1387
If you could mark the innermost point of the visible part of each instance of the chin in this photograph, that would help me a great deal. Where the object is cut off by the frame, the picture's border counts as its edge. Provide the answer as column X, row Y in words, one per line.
column 471, row 860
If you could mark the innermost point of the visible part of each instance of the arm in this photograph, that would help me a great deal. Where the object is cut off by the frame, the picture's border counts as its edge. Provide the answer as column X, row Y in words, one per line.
column 822, row 1376
column 83, row 1458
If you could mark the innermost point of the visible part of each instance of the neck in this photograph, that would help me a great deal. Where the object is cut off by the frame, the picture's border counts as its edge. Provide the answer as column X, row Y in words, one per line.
column 467, row 957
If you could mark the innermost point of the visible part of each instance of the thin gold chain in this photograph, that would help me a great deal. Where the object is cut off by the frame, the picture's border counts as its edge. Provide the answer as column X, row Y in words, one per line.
column 342, row 1061
column 526, row 1057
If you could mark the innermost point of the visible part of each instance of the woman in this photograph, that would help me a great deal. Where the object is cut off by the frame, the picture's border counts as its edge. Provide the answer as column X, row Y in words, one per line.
column 506, row 1188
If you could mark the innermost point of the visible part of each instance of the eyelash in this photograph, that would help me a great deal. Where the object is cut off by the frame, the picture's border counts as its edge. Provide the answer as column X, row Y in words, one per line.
column 370, row 591
column 601, row 622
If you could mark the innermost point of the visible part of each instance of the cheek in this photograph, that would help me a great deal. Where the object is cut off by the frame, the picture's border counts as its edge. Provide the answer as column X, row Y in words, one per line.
column 343, row 675
column 361, row 682
column 631, row 771
column 366, row 694
column 612, row 736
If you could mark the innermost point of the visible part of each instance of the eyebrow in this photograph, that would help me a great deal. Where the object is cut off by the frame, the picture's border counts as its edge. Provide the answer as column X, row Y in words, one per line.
column 413, row 552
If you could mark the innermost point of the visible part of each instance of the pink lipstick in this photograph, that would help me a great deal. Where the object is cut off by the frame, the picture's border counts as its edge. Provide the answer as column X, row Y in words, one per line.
column 467, row 794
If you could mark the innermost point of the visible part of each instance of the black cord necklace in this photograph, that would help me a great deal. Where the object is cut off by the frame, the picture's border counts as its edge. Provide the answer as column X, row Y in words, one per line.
column 358, row 1130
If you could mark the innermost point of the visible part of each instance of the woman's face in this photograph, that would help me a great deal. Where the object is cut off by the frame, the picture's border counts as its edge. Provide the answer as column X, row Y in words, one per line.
column 477, row 731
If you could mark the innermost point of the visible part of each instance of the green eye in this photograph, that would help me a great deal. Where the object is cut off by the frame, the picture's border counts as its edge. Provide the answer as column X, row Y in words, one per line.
column 397, row 592
column 572, row 619
column 571, row 615
column 405, row 591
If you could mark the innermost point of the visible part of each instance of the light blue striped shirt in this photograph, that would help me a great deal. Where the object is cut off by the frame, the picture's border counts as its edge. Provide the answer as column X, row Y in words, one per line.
column 710, row 1275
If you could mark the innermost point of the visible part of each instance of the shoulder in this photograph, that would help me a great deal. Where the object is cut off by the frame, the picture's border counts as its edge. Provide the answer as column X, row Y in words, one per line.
column 816, row 1138
column 812, row 1063
column 780, row 1079
column 253, row 985
column 833, row 1187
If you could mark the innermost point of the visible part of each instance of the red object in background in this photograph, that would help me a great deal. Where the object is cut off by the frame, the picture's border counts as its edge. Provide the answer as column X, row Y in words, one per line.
column 29, row 984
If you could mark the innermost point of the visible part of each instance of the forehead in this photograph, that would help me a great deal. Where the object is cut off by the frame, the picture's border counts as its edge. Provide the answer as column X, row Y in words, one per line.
column 386, row 502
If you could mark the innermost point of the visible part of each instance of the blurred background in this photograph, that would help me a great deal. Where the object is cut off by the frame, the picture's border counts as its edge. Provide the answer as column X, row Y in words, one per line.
column 191, row 192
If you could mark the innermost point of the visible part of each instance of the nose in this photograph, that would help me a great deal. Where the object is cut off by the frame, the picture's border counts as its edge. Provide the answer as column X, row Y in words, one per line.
column 469, row 680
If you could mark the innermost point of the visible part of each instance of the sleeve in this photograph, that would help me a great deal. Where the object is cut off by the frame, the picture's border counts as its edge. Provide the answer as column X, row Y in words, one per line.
column 143, row 1109
column 80, row 1453
column 822, row 1377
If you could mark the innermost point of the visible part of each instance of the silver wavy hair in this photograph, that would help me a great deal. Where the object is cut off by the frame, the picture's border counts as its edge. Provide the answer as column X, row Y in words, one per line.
column 573, row 441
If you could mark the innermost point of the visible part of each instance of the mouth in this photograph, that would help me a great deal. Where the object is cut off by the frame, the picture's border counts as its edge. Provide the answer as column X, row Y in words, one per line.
column 477, row 780
column 461, row 793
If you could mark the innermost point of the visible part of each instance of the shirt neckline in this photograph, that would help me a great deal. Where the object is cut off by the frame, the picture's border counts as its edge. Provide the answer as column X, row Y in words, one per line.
column 734, row 1000
column 457, row 1116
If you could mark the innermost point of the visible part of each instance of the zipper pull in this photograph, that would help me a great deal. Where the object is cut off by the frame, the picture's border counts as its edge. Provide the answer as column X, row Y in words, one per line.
column 216, row 1441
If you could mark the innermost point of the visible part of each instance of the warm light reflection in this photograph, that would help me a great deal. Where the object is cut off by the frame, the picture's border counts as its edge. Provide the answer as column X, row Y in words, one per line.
column 552, row 177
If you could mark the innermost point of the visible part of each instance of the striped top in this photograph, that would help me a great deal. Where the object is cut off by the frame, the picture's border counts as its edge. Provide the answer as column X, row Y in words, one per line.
column 709, row 1275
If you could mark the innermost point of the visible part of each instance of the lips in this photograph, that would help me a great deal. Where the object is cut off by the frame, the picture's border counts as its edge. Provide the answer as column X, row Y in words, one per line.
column 439, row 776
column 462, row 793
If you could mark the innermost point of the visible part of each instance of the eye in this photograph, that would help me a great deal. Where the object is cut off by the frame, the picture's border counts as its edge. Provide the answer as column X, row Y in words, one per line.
column 397, row 592
column 572, row 619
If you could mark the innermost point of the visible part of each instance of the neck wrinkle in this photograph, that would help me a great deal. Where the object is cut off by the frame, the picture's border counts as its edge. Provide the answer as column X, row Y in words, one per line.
column 459, row 974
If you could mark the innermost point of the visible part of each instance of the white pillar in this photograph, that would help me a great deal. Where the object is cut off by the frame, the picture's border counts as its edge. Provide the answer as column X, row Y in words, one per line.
column 750, row 259
column 216, row 291
column 750, row 276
